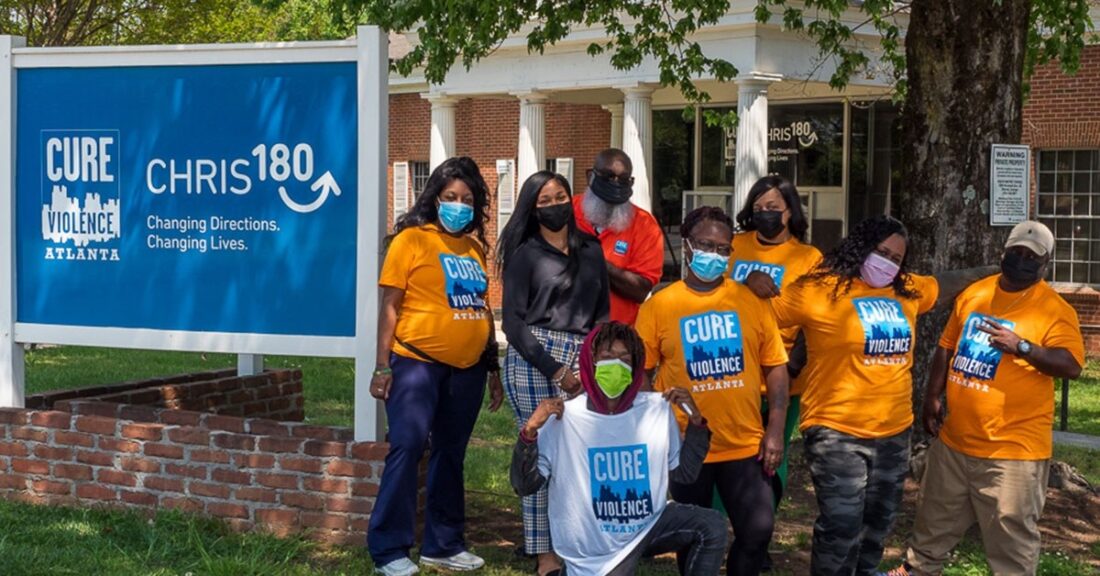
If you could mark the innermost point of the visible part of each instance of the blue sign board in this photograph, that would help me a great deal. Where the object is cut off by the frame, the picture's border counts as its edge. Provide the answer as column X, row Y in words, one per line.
column 188, row 198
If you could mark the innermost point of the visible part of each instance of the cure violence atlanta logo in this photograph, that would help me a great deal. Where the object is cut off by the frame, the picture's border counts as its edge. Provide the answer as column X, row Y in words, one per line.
column 80, row 194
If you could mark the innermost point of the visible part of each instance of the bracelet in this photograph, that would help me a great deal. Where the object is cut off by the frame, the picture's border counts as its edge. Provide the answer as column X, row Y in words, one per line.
column 382, row 371
column 557, row 380
column 528, row 439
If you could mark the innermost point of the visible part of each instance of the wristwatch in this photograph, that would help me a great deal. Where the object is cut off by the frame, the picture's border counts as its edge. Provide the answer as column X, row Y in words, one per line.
column 1023, row 348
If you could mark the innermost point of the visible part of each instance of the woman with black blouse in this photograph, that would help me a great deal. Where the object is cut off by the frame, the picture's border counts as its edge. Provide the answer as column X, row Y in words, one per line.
column 555, row 292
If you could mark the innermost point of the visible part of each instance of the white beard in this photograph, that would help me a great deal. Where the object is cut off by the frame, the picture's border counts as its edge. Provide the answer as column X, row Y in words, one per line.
column 606, row 216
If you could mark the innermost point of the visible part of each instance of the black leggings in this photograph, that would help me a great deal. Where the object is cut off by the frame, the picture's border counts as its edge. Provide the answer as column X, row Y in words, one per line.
column 746, row 493
column 697, row 536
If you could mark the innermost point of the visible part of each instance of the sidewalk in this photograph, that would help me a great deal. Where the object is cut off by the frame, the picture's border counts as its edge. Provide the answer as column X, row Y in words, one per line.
column 1079, row 440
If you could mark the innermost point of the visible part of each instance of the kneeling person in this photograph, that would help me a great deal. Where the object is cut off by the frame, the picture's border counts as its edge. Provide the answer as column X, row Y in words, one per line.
column 607, row 459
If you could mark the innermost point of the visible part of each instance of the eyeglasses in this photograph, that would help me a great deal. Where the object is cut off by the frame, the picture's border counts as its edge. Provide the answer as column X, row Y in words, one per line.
column 623, row 180
column 724, row 249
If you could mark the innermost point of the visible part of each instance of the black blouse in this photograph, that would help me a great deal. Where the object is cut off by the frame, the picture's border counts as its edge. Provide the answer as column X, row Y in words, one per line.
column 537, row 294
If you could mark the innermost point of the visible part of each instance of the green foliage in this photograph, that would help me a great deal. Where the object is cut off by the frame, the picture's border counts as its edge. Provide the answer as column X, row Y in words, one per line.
column 1058, row 30
column 76, row 22
column 449, row 30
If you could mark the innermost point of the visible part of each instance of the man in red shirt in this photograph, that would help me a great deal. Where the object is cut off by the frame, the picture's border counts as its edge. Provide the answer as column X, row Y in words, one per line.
column 632, row 241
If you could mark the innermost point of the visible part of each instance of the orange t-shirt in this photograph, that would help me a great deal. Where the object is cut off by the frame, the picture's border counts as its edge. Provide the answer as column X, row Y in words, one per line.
column 443, row 313
column 731, row 335
column 860, row 349
column 999, row 406
column 639, row 249
column 785, row 263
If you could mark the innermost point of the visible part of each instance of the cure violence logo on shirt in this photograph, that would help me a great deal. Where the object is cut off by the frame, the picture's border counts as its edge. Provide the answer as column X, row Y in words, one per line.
column 886, row 331
column 621, row 496
column 974, row 357
column 465, row 282
column 742, row 269
column 712, row 345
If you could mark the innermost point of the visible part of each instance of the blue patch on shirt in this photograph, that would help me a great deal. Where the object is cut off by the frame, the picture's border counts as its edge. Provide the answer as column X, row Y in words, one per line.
column 620, row 247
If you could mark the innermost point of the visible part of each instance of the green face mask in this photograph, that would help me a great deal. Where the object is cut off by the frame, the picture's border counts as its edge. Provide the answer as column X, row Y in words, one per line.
column 613, row 377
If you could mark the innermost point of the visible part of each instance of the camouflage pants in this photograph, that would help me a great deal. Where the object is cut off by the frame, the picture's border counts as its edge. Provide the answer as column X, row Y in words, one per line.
column 859, row 484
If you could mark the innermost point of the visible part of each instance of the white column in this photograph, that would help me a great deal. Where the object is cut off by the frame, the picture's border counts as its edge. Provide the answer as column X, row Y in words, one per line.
column 752, row 133
column 616, row 111
column 532, row 135
column 638, row 140
column 443, row 127
column 11, row 352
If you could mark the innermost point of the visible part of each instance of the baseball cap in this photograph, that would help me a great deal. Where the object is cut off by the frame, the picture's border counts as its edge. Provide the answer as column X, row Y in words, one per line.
column 1032, row 235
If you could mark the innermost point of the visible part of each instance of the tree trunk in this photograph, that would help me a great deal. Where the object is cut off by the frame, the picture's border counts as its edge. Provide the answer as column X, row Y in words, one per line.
column 965, row 73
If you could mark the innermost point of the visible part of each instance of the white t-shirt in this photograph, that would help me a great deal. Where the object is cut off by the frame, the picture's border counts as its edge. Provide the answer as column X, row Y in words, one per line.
column 608, row 478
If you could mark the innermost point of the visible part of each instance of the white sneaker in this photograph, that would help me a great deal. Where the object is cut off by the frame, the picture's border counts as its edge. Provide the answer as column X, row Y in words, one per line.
column 463, row 561
column 399, row 567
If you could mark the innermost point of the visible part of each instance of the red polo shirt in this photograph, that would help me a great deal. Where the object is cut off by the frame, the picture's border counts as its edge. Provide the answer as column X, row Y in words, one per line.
column 639, row 249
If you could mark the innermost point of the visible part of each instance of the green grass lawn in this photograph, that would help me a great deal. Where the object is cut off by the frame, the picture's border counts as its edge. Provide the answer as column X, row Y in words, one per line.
column 328, row 382
column 52, row 541
column 1084, row 401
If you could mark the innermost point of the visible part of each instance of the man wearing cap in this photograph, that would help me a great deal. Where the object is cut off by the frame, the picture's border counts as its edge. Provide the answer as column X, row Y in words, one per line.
column 1007, row 339
column 632, row 241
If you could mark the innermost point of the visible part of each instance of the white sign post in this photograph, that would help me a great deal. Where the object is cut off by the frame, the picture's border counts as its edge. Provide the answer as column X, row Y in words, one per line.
column 1009, row 184
column 11, row 353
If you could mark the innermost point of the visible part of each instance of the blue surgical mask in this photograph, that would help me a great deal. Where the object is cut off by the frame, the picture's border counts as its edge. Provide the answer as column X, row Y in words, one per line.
column 707, row 266
column 455, row 216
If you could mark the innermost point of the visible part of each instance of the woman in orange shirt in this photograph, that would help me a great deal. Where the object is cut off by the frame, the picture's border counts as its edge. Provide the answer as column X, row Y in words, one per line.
column 858, row 312
column 435, row 348
column 769, row 254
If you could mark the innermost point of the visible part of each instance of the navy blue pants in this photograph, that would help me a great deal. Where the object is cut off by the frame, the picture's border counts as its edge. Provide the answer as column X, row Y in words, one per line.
column 440, row 401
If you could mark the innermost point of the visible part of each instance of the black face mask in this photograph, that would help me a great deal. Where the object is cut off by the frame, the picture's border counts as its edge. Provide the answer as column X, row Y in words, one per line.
column 610, row 191
column 1020, row 270
column 555, row 217
column 769, row 223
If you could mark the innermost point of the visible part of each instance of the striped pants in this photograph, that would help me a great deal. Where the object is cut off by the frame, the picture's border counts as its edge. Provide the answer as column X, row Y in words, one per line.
column 526, row 388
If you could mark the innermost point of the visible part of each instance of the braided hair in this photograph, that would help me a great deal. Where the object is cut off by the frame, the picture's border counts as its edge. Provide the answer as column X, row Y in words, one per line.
column 704, row 214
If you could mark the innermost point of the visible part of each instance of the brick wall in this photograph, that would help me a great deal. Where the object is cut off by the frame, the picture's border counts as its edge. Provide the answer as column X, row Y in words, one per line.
column 487, row 130
column 275, row 395
column 1086, row 301
column 1063, row 112
column 254, row 473
column 46, row 400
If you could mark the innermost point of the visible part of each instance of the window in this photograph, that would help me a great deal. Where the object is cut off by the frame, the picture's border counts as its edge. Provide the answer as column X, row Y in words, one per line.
column 1069, row 204
column 673, row 164
column 420, row 172
column 874, row 166
column 717, row 154
column 806, row 143
column 562, row 166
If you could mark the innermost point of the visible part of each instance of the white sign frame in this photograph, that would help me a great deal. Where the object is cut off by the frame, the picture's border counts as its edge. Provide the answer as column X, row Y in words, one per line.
column 369, row 51
column 1005, row 187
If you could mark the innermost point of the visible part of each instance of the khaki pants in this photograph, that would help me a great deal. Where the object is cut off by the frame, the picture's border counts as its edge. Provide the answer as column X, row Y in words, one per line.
column 1005, row 498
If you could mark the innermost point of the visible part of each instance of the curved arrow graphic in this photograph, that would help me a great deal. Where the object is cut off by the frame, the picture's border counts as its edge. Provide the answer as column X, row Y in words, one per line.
column 326, row 183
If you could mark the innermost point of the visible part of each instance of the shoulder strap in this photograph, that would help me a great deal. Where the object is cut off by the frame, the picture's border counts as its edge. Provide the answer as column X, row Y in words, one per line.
column 423, row 355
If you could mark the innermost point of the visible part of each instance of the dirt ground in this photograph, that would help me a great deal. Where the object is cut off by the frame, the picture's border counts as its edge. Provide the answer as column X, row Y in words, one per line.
column 1070, row 523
